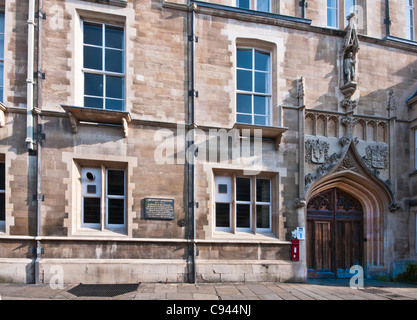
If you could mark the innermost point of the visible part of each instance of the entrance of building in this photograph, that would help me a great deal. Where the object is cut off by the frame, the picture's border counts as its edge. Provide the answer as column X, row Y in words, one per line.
column 334, row 236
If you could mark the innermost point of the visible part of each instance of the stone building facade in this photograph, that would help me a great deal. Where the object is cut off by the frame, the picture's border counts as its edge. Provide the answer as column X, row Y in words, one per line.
column 178, row 141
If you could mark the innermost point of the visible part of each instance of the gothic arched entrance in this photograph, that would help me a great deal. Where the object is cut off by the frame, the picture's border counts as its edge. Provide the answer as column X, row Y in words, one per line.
column 335, row 240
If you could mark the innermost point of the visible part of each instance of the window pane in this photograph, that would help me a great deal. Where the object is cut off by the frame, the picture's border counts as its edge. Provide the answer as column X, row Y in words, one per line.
column 349, row 7
column 261, row 61
column 2, row 176
column 244, row 103
column 261, row 120
column 91, row 210
column 116, row 182
column 1, row 46
column 263, row 5
column 93, row 58
column 244, row 4
column 223, row 215
column 116, row 211
column 93, row 102
column 244, row 58
column 331, row 18
column 1, row 73
column 112, row 104
column 241, row 118
column 1, row 94
column 243, row 189
column 415, row 145
column 411, row 33
column 263, row 190
column 114, row 87
column 2, row 207
column 262, row 216
column 261, row 82
column 244, row 80
column 332, row 3
column 93, row 34
column 114, row 60
column 243, row 215
column 261, row 105
column 93, row 84
column 1, row 22
column 114, row 37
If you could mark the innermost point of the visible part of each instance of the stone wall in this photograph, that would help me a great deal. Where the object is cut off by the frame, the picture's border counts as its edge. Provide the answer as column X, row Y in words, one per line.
column 157, row 99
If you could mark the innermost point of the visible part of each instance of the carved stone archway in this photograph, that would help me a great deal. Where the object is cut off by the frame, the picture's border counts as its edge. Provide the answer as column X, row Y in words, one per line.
column 351, row 175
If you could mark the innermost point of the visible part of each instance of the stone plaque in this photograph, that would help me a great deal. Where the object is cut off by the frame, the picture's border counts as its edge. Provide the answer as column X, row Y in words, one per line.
column 156, row 208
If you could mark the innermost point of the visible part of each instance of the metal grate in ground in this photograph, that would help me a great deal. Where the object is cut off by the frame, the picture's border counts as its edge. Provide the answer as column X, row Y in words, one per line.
column 375, row 291
column 103, row 290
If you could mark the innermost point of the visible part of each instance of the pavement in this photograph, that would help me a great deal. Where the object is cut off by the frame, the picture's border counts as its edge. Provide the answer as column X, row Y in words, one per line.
column 315, row 289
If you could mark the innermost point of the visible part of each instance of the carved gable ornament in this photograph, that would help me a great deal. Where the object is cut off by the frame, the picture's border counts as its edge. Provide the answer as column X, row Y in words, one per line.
column 348, row 164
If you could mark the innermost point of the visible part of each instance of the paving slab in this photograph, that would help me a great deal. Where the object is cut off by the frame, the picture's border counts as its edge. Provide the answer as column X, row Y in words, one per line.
column 338, row 289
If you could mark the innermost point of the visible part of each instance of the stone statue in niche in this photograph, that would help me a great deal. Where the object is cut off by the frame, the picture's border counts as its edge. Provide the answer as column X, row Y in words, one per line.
column 348, row 55
column 349, row 67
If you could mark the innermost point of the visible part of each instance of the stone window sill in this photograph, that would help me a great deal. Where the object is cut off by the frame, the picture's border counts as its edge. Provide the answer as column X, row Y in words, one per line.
column 90, row 232
column 269, row 132
column 117, row 3
column 84, row 114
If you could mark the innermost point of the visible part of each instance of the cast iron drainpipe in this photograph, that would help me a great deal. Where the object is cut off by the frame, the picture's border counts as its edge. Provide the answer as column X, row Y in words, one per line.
column 34, row 145
column 30, row 75
column 387, row 20
column 190, row 172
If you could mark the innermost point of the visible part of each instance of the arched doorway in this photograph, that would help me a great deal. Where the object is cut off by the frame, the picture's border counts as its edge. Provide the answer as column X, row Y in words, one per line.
column 335, row 240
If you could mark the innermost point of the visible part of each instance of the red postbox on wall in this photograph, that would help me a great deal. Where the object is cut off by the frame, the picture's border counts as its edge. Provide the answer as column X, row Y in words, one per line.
column 295, row 250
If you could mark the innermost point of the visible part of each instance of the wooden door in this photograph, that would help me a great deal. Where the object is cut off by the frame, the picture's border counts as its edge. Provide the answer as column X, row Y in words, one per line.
column 334, row 234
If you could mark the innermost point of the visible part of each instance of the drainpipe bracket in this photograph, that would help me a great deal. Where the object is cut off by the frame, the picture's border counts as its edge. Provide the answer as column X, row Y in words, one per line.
column 38, row 250
column 40, row 14
column 30, row 144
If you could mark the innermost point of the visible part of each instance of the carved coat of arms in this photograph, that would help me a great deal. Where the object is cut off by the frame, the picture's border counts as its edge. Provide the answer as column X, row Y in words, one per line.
column 377, row 157
column 317, row 151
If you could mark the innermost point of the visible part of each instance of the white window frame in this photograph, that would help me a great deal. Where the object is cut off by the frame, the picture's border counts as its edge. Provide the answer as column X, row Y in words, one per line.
column 250, row 203
column 414, row 210
column 265, row 204
column 231, row 199
column 223, row 199
column 410, row 21
column 3, row 191
column 415, row 149
column 103, row 72
column 102, row 194
column 120, row 197
column 335, row 11
column 253, row 93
